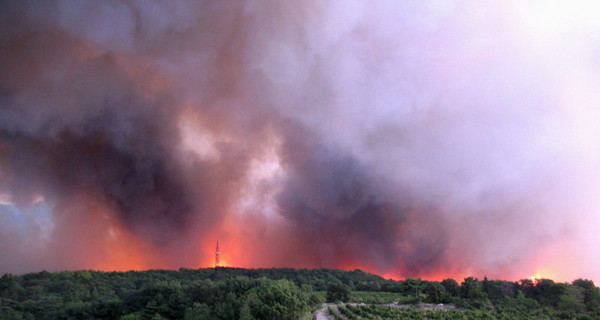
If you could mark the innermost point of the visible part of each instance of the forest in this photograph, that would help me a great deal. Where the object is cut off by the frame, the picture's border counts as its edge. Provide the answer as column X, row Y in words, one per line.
column 235, row 293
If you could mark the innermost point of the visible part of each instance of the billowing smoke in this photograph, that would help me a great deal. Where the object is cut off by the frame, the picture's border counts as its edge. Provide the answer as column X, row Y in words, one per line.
column 430, row 138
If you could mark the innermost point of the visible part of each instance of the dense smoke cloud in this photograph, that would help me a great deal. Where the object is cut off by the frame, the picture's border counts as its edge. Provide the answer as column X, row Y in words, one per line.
column 437, row 138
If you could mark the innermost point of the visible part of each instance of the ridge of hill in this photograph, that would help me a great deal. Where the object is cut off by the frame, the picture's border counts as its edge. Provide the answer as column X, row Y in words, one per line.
column 277, row 293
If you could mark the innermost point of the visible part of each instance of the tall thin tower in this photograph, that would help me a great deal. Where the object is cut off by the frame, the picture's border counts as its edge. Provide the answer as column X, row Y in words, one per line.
column 217, row 255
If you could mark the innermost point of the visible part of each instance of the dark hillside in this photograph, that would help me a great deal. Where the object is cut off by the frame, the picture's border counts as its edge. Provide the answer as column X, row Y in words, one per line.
column 235, row 293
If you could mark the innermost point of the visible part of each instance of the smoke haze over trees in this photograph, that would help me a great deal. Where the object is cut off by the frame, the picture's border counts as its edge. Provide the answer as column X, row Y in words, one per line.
column 432, row 139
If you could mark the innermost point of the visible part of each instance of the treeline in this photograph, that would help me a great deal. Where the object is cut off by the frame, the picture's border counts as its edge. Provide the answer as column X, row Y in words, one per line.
column 232, row 293
column 581, row 295
column 185, row 294
column 546, row 298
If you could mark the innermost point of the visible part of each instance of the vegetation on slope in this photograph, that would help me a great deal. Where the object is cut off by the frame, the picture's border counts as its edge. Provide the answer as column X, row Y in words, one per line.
column 231, row 293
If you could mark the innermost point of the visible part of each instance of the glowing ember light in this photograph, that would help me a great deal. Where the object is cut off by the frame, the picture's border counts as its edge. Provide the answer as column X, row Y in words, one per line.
column 539, row 275
column 224, row 264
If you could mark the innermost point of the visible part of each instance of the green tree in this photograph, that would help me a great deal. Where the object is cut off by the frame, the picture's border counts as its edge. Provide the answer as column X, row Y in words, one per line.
column 472, row 288
column 280, row 299
column 198, row 311
column 435, row 292
column 527, row 286
column 572, row 299
column 131, row 316
column 337, row 292
column 472, row 291
column 497, row 290
column 451, row 287
column 414, row 288
column 591, row 294
column 548, row 293
column 150, row 311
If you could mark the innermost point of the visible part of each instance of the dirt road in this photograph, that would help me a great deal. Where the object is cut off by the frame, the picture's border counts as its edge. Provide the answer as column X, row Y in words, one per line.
column 322, row 313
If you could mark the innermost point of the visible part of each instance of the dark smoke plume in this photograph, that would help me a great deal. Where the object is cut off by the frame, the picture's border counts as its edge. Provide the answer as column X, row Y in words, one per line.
column 437, row 138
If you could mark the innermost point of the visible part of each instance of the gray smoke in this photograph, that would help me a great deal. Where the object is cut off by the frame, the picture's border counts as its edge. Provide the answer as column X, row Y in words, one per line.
column 424, row 139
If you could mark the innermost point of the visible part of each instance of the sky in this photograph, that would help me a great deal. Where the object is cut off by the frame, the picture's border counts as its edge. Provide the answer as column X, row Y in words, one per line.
column 424, row 139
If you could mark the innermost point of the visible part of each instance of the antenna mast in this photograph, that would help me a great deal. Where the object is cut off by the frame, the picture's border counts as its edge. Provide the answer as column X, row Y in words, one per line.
column 217, row 262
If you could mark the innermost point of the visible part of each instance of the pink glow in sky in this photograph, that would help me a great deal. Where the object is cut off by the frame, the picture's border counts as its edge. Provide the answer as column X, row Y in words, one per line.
column 407, row 138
